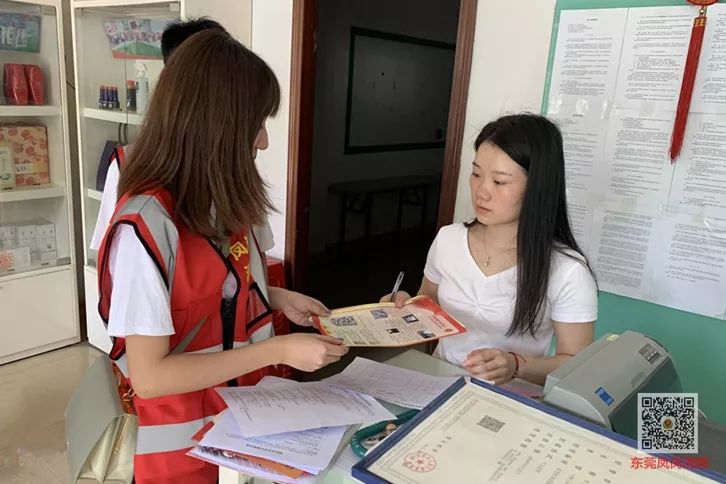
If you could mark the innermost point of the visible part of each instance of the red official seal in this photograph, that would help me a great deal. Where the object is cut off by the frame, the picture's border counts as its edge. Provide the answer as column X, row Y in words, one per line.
column 420, row 462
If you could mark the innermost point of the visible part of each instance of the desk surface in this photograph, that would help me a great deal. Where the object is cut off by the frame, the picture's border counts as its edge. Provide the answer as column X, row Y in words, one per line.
column 710, row 434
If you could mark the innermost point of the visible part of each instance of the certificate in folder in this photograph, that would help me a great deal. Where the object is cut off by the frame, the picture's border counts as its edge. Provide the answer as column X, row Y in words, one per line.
column 477, row 432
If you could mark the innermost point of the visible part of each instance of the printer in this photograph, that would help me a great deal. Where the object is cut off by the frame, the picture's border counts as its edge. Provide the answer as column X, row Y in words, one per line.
column 602, row 382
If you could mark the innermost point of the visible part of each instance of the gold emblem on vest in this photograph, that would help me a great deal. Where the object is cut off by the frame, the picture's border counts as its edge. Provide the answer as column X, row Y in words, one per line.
column 238, row 250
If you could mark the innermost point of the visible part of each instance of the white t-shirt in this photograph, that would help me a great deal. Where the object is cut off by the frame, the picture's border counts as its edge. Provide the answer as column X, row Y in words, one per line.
column 140, row 301
column 485, row 304
column 108, row 205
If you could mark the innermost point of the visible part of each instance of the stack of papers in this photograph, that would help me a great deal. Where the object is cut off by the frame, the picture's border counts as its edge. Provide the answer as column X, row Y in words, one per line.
column 285, row 431
column 288, row 457
column 288, row 432
column 292, row 406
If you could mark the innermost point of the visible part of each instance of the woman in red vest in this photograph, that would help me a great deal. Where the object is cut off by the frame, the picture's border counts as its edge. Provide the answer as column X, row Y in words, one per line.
column 179, row 265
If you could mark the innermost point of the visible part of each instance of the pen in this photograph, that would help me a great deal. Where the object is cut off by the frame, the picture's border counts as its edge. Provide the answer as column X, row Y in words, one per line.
column 399, row 279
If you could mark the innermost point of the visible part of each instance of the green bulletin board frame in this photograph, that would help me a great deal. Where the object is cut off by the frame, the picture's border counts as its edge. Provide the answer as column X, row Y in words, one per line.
column 697, row 343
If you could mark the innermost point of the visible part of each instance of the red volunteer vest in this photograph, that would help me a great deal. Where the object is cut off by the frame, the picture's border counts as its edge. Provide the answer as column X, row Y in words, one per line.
column 194, row 270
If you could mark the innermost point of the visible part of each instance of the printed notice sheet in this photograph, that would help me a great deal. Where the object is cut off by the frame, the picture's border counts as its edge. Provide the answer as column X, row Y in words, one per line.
column 651, row 228
column 384, row 324
column 478, row 435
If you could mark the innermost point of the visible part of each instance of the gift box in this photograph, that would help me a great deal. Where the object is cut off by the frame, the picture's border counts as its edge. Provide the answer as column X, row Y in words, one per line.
column 36, row 84
column 30, row 153
column 45, row 236
column 7, row 167
column 48, row 258
column 8, row 236
column 14, row 259
column 38, row 235
column 15, row 84
column 26, row 235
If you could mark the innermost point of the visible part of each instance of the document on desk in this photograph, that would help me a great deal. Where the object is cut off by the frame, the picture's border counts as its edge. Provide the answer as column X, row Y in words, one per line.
column 479, row 435
column 308, row 450
column 263, row 410
column 400, row 386
column 383, row 324
column 246, row 466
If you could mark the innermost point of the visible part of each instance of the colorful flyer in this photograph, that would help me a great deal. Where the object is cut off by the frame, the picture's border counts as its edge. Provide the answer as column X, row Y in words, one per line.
column 383, row 324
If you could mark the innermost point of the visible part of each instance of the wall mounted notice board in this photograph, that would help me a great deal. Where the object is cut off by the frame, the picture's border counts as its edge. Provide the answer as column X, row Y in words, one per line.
column 398, row 92
column 654, row 231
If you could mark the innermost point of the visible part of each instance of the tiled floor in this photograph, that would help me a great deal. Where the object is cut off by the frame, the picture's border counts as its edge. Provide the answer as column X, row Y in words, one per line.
column 33, row 396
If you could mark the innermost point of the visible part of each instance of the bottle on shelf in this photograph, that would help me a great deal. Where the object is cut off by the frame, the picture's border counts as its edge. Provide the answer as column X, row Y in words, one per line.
column 102, row 95
column 114, row 98
column 142, row 87
column 131, row 95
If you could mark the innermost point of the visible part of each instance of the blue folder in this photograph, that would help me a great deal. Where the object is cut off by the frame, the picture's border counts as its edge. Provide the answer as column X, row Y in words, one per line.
column 361, row 472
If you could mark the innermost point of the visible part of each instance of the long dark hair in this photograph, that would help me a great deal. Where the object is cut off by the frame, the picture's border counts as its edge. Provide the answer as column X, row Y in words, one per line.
column 198, row 136
column 535, row 143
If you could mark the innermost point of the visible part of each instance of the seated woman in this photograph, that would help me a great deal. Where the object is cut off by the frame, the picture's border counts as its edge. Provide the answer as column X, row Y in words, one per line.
column 514, row 275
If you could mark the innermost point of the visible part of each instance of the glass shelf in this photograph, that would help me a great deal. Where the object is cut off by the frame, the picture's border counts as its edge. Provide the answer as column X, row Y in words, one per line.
column 35, row 229
column 112, row 44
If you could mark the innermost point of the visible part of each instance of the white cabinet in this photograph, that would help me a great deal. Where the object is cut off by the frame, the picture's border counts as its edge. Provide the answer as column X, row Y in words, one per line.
column 38, row 292
column 30, row 325
column 103, row 31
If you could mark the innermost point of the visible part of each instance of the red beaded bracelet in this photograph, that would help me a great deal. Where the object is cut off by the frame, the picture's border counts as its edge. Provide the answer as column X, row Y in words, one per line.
column 517, row 356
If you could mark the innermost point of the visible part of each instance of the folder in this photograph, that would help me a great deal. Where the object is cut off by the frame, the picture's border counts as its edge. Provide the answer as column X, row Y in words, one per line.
column 478, row 432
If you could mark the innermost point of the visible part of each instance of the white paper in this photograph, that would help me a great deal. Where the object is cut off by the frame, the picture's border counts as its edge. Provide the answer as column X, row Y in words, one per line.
column 309, row 450
column 245, row 466
column 638, row 169
column 616, row 80
column 586, row 57
column 583, row 138
column 623, row 251
column 299, row 406
column 699, row 182
column 581, row 211
column 399, row 386
column 654, row 53
column 709, row 93
column 691, row 274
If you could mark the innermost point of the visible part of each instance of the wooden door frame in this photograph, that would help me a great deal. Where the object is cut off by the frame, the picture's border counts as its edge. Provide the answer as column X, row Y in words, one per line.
column 300, row 148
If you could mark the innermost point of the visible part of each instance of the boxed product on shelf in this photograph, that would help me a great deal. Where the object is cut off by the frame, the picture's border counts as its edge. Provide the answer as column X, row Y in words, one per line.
column 15, row 85
column 7, row 167
column 20, row 31
column 8, row 236
column 26, row 235
column 48, row 258
column 12, row 260
column 27, row 244
column 30, row 152
column 45, row 236
column 38, row 235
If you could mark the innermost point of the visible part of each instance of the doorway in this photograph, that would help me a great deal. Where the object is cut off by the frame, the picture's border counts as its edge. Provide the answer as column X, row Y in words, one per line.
column 377, row 118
